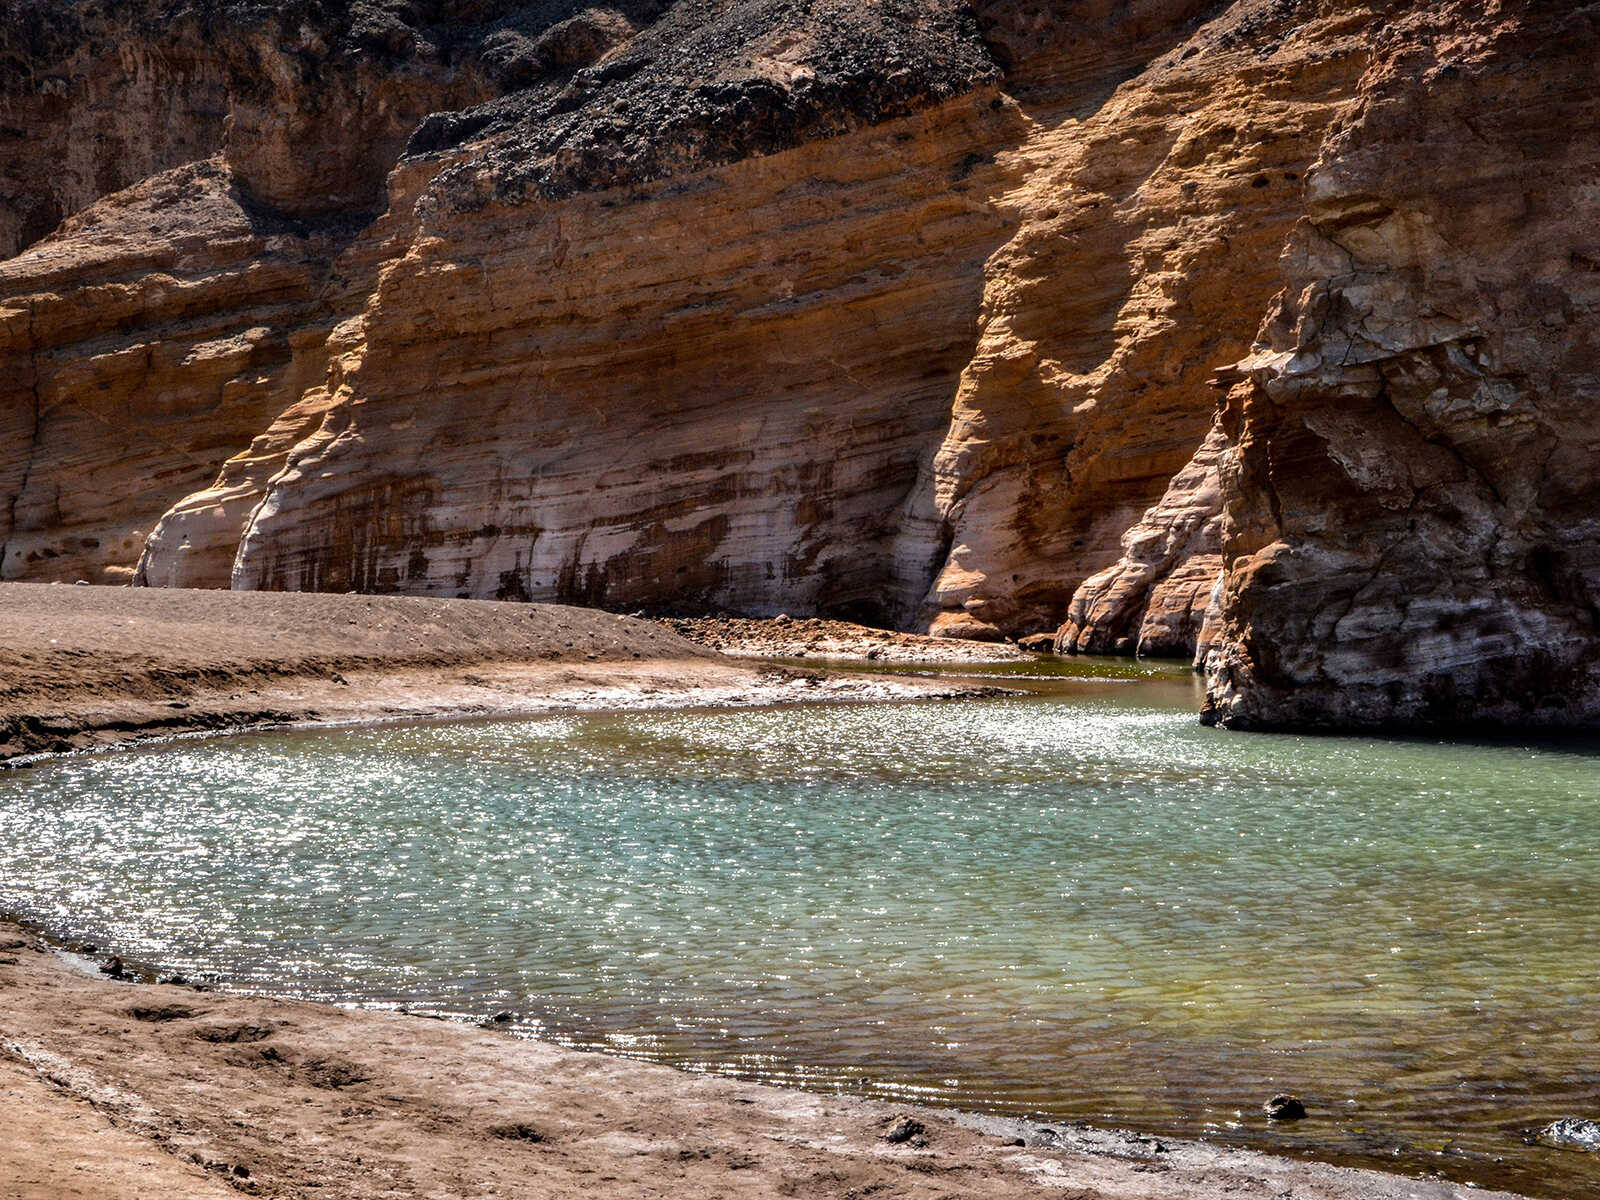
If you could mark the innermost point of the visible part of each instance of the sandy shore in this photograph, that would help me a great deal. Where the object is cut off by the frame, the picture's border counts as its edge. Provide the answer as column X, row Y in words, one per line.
column 94, row 666
column 122, row 1091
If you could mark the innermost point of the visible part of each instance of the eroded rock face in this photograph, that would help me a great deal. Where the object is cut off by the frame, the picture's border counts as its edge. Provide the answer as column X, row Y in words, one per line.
column 750, row 439
column 910, row 313
column 310, row 101
column 1154, row 599
column 1412, row 520
column 1149, row 223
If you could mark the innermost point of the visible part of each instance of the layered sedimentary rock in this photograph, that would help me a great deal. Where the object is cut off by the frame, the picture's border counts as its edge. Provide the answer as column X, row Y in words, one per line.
column 1153, row 600
column 708, row 310
column 1412, row 516
column 906, row 313
column 1148, row 239
column 161, row 328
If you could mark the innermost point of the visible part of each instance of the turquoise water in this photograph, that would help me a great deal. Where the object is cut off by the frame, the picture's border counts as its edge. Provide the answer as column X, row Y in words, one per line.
column 1080, row 905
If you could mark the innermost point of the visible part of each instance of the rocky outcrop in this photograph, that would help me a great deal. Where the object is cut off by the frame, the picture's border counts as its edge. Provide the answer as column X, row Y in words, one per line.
column 311, row 101
column 910, row 314
column 540, row 197
column 1153, row 600
column 162, row 327
column 708, row 310
column 1412, row 525
column 1149, row 223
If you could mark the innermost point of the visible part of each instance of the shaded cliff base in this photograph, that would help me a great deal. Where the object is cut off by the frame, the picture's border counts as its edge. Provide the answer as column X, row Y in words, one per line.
column 123, row 1091
column 96, row 666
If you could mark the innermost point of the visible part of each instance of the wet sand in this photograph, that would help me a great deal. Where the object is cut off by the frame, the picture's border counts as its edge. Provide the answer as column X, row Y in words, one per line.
column 130, row 1090
column 812, row 637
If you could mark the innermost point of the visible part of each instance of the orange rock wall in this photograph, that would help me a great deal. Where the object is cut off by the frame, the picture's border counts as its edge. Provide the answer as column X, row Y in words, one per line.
column 925, row 373
column 953, row 360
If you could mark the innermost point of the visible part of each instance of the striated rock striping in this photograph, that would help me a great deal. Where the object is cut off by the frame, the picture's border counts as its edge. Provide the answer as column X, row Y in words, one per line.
column 920, row 315
column 648, row 218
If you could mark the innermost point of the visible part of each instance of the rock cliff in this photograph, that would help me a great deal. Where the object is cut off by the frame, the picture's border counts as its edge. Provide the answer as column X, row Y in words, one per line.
column 980, row 318
column 1412, row 511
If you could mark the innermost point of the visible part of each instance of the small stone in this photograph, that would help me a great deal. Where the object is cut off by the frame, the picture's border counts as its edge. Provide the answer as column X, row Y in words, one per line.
column 1571, row 1133
column 1038, row 643
column 1284, row 1108
column 905, row 1129
column 113, row 968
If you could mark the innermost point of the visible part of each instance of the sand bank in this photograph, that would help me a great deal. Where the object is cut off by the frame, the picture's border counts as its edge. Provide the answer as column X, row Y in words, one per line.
column 95, row 666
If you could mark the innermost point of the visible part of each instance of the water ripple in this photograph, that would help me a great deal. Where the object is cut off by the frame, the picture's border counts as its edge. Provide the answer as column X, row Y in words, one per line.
column 1080, row 905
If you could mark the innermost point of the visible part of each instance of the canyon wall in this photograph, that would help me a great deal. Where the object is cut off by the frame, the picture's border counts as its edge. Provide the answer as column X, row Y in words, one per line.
column 981, row 318
column 1412, row 514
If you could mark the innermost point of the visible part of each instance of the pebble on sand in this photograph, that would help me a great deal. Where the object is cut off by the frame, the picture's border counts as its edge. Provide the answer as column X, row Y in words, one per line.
column 904, row 1130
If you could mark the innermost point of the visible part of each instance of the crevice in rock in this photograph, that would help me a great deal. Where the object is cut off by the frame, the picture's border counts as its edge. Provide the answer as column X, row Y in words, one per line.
column 33, row 444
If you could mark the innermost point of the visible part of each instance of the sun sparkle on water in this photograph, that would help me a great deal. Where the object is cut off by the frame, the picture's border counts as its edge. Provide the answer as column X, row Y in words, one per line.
column 1080, row 904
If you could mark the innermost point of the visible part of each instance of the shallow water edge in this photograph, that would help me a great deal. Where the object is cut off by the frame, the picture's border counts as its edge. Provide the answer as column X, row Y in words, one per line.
column 1046, row 771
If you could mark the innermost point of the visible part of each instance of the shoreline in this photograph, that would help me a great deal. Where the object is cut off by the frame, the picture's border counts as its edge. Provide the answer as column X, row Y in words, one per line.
column 498, row 692
column 135, row 1089
column 102, row 1087
column 786, row 637
column 93, row 668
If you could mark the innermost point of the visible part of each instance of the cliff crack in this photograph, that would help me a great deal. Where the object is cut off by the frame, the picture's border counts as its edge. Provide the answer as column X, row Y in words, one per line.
column 33, row 440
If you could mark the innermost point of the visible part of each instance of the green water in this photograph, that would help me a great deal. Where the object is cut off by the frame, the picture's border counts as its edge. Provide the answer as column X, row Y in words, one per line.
column 1080, row 905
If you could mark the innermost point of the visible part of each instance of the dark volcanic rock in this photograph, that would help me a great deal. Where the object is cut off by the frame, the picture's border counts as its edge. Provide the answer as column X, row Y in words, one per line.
column 708, row 83
column 1284, row 1108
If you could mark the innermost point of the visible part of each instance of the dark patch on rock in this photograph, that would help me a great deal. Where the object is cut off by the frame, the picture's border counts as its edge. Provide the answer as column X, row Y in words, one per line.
column 233, row 1033
column 334, row 1074
column 703, row 84
column 516, row 1131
